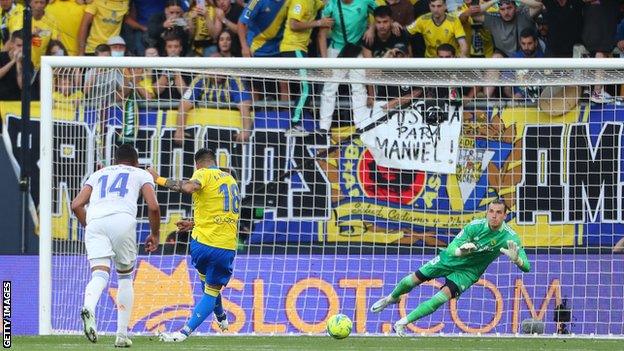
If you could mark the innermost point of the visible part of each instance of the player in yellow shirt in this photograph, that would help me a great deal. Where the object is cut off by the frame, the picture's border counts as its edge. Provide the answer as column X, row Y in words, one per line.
column 439, row 27
column 11, row 20
column 102, row 20
column 44, row 29
column 300, row 21
column 216, row 204
column 68, row 15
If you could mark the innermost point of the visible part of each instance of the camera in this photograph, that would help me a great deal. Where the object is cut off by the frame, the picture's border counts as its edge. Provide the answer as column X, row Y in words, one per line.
column 180, row 22
column 435, row 114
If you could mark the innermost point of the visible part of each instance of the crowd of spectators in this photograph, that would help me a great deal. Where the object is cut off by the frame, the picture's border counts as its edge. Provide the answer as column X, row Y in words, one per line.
column 299, row 28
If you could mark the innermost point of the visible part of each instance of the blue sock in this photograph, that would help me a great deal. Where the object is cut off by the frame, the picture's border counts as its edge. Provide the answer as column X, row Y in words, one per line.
column 201, row 311
column 218, row 309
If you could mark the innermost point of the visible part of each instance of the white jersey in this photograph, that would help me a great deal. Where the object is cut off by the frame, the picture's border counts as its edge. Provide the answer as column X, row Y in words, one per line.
column 116, row 189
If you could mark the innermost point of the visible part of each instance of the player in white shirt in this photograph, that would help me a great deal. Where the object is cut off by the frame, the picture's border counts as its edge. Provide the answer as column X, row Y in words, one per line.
column 110, row 233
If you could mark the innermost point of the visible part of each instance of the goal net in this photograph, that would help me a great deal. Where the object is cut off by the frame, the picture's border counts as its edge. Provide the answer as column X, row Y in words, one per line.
column 353, row 174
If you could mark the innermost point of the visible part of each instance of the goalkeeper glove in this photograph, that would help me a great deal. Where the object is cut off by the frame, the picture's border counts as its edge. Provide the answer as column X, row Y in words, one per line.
column 465, row 249
column 512, row 252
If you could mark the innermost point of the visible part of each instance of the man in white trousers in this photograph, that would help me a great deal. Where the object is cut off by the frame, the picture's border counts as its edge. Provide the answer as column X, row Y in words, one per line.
column 355, row 14
column 110, row 234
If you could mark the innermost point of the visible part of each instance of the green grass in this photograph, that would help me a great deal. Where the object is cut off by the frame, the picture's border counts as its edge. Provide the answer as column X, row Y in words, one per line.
column 258, row 343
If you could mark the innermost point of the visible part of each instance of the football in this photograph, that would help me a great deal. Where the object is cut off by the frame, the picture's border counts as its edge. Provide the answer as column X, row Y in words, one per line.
column 339, row 326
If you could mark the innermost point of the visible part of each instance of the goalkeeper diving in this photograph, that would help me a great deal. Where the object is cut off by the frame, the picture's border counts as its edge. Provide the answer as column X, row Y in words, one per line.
column 461, row 263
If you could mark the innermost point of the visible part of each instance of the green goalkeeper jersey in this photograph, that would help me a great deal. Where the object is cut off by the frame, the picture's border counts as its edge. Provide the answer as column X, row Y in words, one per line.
column 488, row 245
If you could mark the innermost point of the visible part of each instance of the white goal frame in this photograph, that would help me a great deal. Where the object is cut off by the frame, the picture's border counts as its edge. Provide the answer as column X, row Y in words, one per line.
column 49, row 63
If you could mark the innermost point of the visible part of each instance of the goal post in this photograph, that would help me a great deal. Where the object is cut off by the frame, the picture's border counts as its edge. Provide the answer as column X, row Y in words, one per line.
column 331, row 221
column 45, row 203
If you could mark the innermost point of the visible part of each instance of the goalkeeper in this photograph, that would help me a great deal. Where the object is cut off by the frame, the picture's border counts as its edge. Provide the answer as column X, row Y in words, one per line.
column 461, row 263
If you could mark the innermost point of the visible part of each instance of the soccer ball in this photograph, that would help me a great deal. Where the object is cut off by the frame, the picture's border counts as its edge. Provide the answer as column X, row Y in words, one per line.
column 339, row 326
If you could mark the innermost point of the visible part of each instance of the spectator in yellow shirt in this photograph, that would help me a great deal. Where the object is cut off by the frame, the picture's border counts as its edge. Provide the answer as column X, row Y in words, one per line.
column 44, row 29
column 204, row 27
column 66, row 95
column 300, row 21
column 102, row 20
column 478, row 37
column 10, row 21
column 68, row 15
column 439, row 27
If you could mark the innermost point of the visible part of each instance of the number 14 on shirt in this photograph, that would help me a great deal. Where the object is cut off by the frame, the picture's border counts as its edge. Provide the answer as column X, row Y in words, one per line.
column 119, row 185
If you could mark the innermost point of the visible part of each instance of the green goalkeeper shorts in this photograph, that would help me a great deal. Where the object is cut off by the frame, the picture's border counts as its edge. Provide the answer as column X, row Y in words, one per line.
column 462, row 278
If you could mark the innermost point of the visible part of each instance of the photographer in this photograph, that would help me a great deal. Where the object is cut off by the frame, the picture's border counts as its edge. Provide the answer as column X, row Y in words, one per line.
column 170, row 22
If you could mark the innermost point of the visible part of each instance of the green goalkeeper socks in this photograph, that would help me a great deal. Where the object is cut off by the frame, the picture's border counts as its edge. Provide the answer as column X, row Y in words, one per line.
column 428, row 307
column 405, row 285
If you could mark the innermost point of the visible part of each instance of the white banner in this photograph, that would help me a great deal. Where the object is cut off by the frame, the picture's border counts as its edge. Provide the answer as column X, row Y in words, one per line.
column 422, row 136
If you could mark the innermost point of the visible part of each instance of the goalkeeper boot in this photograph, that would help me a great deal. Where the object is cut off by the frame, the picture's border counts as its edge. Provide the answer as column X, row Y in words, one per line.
column 382, row 303
column 222, row 322
column 172, row 337
column 88, row 324
column 123, row 341
column 399, row 327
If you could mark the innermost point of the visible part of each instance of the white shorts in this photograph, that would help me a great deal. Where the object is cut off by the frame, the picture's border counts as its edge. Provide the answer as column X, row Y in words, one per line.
column 112, row 236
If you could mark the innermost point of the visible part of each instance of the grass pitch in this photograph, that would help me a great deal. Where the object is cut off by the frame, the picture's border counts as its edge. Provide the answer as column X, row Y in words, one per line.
column 385, row 343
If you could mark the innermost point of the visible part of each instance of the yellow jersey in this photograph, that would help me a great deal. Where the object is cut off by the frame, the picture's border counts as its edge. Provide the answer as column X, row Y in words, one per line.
column 201, row 33
column 108, row 17
column 216, row 208
column 147, row 84
column 146, row 80
column 14, row 20
column 434, row 35
column 486, row 35
column 303, row 11
column 43, row 30
column 65, row 102
column 68, row 15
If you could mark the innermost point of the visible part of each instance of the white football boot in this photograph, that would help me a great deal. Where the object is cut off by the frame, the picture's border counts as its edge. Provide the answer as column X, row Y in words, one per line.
column 223, row 324
column 399, row 327
column 172, row 337
column 123, row 341
column 88, row 324
column 382, row 303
